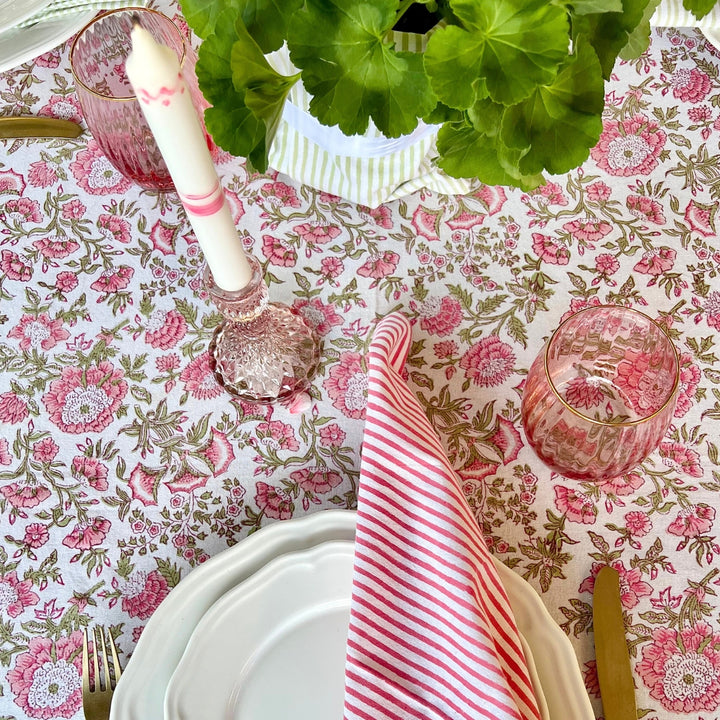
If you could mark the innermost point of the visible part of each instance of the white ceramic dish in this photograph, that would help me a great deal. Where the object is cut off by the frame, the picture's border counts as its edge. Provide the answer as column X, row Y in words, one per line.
column 18, row 45
column 143, row 685
column 13, row 12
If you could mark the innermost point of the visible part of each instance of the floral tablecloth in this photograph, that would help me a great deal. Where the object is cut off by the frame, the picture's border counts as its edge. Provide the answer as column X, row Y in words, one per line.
column 123, row 465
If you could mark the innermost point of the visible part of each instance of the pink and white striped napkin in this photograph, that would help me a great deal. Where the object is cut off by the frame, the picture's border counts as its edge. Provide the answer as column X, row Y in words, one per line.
column 432, row 635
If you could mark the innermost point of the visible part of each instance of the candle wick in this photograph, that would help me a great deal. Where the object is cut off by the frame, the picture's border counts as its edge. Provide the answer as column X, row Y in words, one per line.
column 136, row 21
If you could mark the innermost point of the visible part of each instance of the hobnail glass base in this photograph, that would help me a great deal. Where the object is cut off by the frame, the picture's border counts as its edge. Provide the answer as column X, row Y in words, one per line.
column 261, row 352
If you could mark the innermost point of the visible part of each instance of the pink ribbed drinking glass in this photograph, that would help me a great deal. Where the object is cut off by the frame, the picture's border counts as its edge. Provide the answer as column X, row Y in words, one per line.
column 601, row 394
column 111, row 110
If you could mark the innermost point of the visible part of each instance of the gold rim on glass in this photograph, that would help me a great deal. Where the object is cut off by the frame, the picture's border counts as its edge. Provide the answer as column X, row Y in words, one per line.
column 604, row 423
column 94, row 21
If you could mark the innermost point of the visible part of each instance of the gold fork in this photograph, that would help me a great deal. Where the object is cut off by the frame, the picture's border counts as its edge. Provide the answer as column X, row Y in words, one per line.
column 98, row 694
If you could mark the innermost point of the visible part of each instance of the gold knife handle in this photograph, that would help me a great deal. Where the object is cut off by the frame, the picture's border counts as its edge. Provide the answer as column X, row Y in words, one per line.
column 32, row 126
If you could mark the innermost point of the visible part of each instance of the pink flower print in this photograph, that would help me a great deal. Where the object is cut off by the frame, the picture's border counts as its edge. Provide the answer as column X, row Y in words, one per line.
column 11, row 183
column 91, row 472
column 382, row 215
column 50, row 59
column 332, row 267
column 598, row 192
column 681, row 667
column 489, row 362
column 278, row 252
column 82, row 401
column 492, row 197
column 645, row 208
column 506, row 439
column 114, row 228
column 23, row 210
column 39, row 332
column 606, row 264
column 446, row 349
column 711, row 305
column 218, row 451
column 88, row 534
column 95, row 174
column 14, row 267
column 165, row 328
column 332, row 435
column 142, row 593
column 577, row 506
column 16, row 595
column 282, row 192
column 26, row 495
column 13, row 409
column 551, row 193
column 656, row 261
column 66, row 281
column 73, row 210
column 46, row 680
column 701, row 218
column 427, row 223
column 110, row 281
column 277, row 435
column 164, row 236
column 583, row 393
column 549, row 250
column 5, row 457
column 680, row 458
column 45, row 450
column 316, row 480
column 41, row 174
column 588, row 230
column 690, row 85
column 577, row 305
column 65, row 107
column 689, row 381
column 318, row 315
column 347, row 385
column 380, row 266
column 144, row 484
column 36, row 535
column 638, row 524
column 629, row 147
column 590, row 679
column 56, row 247
column 440, row 316
column 274, row 501
column 623, row 485
column 199, row 378
column 315, row 236
column 693, row 521
column 645, row 391
column 632, row 586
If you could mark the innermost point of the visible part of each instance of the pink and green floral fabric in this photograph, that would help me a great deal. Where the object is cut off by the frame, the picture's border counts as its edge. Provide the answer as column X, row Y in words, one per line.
column 123, row 465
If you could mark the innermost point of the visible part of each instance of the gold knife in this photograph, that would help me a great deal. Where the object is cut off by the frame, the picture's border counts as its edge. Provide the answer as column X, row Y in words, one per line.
column 617, row 688
column 27, row 126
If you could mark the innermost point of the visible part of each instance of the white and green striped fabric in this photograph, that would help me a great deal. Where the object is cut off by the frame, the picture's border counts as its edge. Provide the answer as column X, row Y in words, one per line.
column 671, row 13
column 61, row 8
column 369, row 169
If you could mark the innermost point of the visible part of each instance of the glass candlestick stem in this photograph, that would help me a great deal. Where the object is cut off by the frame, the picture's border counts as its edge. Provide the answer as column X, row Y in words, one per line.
column 261, row 351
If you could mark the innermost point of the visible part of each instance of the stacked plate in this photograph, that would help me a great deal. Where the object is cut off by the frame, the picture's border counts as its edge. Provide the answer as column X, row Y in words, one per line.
column 20, row 44
column 258, row 633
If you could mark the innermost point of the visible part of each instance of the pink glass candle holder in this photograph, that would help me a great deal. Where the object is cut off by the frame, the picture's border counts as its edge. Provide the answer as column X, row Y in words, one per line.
column 110, row 108
column 261, row 351
column 600, row 396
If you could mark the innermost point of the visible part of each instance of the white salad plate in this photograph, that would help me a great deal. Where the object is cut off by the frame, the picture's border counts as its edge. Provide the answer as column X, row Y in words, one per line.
column 281, row 598
column 18, row 45
column 13, row 12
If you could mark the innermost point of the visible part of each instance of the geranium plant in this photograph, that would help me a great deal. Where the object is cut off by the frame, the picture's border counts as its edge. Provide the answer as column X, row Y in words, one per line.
column 517, row 85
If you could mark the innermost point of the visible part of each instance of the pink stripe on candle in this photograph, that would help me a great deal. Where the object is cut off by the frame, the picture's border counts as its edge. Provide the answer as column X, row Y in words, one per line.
column 204, row 205
column 164, row 93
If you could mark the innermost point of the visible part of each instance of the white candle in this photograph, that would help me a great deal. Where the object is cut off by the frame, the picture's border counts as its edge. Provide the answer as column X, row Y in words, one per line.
column 154, row 72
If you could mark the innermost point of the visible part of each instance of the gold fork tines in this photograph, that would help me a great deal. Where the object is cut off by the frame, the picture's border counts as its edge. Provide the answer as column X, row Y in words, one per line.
column 97, row 694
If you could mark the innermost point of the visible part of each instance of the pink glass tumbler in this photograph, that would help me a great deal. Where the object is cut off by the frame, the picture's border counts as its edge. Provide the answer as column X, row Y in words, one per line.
column 600, row 396
column 111, row 110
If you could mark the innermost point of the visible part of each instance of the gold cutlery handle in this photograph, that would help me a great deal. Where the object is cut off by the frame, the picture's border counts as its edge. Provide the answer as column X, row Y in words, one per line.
column 32, row 126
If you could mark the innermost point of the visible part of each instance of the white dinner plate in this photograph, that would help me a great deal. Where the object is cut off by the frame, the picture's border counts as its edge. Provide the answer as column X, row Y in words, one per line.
column 252, row 636
column 18, row 45
column 143, row 685
column 13, row 12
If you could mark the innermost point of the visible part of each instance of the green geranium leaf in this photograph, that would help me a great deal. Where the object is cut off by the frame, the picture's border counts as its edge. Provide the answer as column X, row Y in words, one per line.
column 505, row 49
column 587, row 7
column 230, row 121
column 441, row 113
column 353, row 72
column 465, row 152
column 559, row 123
column 202, row 15
column 639, row 39
column 699, row 8
column 609, row 32
column 486, row 116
